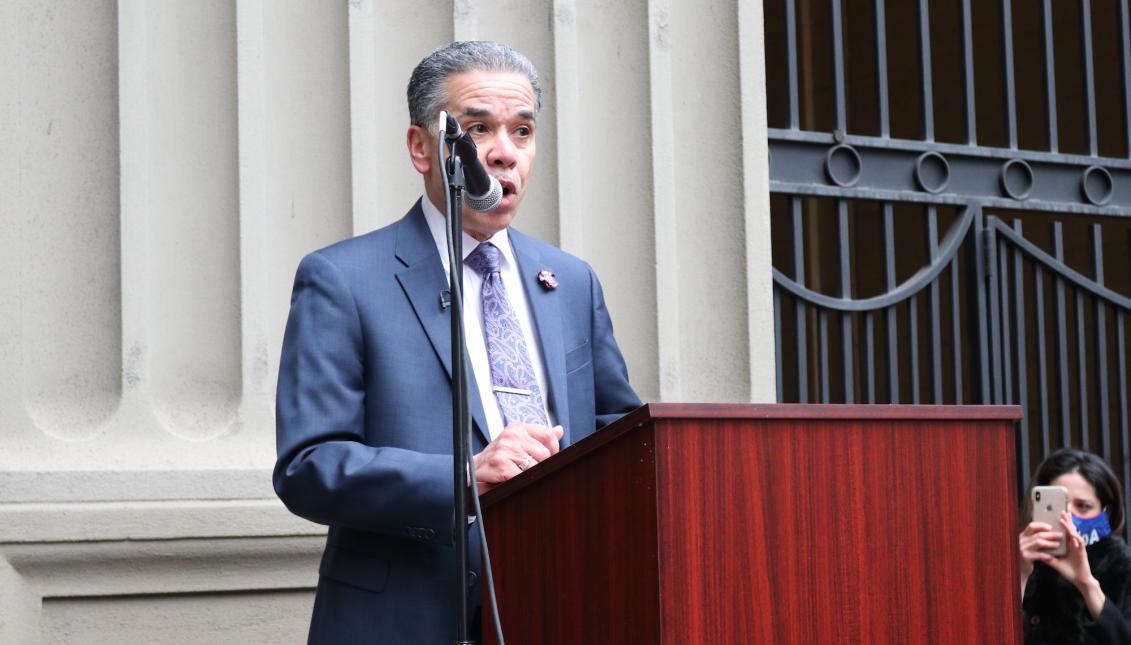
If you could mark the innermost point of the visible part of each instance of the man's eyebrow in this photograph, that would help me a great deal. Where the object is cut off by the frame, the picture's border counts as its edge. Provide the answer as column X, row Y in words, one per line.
column 479, row 113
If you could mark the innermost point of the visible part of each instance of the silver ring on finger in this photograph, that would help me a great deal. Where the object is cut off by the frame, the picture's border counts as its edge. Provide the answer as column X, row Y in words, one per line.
column 526, row 463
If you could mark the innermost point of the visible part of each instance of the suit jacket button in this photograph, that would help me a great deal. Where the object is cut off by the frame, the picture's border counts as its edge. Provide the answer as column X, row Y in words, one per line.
column 472, row 578
column 429, row 534
column 1036, row 620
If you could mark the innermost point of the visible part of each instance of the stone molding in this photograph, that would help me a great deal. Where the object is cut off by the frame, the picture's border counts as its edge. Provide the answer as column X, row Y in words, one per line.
column 83, row 551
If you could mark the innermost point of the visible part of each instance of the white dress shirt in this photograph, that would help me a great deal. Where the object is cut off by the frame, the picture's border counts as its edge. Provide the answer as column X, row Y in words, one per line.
column 473, row 313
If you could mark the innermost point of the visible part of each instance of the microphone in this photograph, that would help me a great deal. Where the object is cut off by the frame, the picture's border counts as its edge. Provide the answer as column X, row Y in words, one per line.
column 483, row 192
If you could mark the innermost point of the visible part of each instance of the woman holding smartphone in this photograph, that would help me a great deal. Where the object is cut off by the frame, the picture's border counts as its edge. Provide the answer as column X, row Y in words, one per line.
column 1085, row 595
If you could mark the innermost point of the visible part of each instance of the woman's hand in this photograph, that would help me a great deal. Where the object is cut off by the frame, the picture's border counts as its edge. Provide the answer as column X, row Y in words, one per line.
column 1075, row 568
column 1074, row 565
column 1034, row 543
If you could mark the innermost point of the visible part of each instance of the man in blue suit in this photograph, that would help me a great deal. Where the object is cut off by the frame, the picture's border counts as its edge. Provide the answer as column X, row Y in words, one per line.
column 364, row 397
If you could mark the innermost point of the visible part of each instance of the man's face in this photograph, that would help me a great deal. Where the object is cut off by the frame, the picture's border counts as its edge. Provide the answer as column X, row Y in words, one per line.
column 498, row 110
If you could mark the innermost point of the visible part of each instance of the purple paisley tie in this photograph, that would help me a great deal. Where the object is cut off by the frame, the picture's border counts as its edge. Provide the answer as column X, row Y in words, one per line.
column 512, row 375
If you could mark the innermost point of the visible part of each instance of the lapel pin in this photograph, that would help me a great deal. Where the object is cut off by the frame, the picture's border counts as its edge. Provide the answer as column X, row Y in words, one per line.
column 547, row 279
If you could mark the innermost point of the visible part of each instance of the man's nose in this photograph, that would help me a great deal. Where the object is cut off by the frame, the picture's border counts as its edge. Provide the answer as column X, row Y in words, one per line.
column 501, row 151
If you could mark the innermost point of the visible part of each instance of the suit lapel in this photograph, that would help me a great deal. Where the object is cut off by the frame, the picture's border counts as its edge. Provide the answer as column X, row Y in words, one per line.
column 423, row 282
column 544, row 305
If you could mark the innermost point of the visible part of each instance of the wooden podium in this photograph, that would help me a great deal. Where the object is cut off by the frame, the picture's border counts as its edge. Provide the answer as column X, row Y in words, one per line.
column 808, row 524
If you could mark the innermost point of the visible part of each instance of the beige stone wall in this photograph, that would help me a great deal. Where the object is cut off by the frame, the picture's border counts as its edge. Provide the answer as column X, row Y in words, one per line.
column 165, row 163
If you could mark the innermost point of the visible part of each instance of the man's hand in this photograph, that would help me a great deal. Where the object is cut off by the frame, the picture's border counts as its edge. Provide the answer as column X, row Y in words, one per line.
column 518, row 447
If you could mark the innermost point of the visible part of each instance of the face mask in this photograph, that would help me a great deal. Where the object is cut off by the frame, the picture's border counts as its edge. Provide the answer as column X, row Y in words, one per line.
column 1092, row 529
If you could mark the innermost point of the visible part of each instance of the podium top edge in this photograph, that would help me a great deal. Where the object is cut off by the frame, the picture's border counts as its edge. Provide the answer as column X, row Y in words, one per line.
column 827, row 411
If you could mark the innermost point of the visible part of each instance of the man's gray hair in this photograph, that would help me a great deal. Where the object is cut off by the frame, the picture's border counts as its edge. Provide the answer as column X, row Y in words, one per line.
column 427, row 91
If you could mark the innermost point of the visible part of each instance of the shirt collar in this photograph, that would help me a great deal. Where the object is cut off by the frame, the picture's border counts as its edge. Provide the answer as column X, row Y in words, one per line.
column 439, row 229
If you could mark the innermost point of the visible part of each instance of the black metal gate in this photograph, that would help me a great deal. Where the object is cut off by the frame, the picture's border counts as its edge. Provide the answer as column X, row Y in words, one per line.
column 950, row 190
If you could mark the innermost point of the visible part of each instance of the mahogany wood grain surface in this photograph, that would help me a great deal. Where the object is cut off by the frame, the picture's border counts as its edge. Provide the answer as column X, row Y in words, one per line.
column 766, row 524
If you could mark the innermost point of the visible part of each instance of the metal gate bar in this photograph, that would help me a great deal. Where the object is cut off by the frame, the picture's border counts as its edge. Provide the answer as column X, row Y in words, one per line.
column 1042, row 357
column 1089, row 75
column 838, row 67
column 1101, row 339
column 1050, row 77
column 1061, row 341
column 1007, row 64
column 791, row 63
column 934, row 308
column 1124, row 431
column 891, row 313
column 1020, row 370
column 799, row 305
column 1125, row 51
column 844, row 254
column 925, row 61
column 882, row 69
column 1082, row 374
column 1007, row 317
column 968, row 73
column 956, row 329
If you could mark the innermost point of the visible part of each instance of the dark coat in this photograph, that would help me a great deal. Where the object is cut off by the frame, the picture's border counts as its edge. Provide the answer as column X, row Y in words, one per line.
column 1054, row 611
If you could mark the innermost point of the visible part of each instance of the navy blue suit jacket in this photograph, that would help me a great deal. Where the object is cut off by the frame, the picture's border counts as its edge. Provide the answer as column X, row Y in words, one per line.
column 363, row 419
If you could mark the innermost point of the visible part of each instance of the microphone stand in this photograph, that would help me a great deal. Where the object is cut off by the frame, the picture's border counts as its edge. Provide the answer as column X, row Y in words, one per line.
column 455, row 183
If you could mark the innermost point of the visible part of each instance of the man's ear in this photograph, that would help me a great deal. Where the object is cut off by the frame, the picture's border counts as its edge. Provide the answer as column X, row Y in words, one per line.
column 420, row 148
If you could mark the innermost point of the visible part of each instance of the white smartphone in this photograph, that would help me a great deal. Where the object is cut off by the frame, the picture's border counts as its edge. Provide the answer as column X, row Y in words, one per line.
column 1048, row 503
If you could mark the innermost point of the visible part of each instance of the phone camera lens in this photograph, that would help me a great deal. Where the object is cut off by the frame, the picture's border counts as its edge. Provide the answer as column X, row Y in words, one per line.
column 1048, row 509
column 1038, row 496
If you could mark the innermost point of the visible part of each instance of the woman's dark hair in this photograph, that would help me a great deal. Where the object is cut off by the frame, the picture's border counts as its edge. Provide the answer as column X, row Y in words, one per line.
column 1093, row 469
